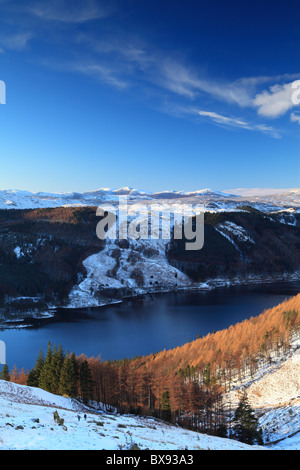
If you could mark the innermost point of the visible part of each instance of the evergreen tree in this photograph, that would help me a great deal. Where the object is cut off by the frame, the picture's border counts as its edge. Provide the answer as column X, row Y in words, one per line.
column 85, row 379
column 32, row 378
column 4, row 375
column 245, row 424
column 35, row 373
column 40, row 362
column 207, row 375
column 68, row 383
column 46, row 378
column 65, row 381
column 166, row 406
column 74, row 375
column 56, row 367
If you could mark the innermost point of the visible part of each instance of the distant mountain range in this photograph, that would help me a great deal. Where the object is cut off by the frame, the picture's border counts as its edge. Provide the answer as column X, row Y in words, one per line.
column 265, row 200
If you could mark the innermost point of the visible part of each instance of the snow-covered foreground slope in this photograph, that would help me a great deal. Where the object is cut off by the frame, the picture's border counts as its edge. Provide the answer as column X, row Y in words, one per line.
column 275, row 395
column 27, row 423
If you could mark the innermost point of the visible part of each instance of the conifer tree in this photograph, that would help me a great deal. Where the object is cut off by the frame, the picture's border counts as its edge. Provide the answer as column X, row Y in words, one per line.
column 40, row 362
column 4, row 375
column 56, row 367
column 32, row 378
column 68, row 383
column 35, row 373
column 245, row 424
column 85, row 381
column 46, row 378
column 207, row 375
column 74, row 375
column 65, row 381
column 166, row 406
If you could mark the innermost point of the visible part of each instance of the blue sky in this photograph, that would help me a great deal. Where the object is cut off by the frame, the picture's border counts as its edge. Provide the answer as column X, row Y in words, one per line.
column 152, row 95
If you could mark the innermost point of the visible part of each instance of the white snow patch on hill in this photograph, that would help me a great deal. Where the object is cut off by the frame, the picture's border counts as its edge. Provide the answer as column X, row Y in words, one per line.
column 141, row 268
column 233, row 233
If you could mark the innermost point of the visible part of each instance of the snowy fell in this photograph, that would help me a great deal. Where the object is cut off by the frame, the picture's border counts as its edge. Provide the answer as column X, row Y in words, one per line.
column 27, row 423
column 265, row 200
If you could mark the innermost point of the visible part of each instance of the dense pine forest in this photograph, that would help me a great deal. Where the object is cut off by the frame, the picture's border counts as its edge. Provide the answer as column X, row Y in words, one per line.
column 272, row 247
column 52, row 244
column 185, row 385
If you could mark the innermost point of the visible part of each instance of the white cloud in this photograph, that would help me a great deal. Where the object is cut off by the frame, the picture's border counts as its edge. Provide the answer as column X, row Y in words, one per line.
column 223, row 119
column 295, row 118
column 237, row 122
column 275, row 102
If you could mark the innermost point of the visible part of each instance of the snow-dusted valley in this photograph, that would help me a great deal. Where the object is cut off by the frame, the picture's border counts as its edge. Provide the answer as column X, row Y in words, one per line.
column 49, row 244
column 247, row 239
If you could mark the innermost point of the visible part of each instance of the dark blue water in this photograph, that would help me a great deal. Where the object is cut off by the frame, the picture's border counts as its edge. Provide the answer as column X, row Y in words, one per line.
column 142, row 327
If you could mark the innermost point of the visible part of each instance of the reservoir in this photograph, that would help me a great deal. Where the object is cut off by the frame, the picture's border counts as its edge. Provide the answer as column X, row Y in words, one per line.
column 143, row 326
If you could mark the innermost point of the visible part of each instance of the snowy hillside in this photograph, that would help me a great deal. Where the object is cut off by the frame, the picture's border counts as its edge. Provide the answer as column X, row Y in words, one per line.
column 118, row 269
column 214, row 200
column 275, row 395
column 27, row 423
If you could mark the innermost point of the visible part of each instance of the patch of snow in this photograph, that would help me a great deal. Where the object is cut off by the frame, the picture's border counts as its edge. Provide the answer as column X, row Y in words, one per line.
column 19, row 254
column 232, row 231
column 26, row 423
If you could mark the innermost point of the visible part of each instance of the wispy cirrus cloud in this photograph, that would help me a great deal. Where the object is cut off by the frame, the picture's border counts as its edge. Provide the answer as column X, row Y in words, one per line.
column 160, row 69
column 180, row 79
column 99, row 72
column 70, row 11
column 123, row 64
column 17, row 41
column 237, row 122
column 124, row 61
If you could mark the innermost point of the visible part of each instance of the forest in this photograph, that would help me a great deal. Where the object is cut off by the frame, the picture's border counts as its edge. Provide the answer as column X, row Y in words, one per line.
column 274, row 247
column 52, row 244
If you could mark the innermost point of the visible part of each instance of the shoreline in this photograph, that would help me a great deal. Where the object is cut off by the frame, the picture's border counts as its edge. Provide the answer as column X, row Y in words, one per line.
column 72, row 314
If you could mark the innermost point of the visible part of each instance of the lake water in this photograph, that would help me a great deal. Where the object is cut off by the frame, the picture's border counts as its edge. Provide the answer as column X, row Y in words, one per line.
column 141, row 327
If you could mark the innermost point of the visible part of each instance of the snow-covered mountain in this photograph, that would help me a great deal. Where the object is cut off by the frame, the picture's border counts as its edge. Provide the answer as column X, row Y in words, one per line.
column 265, row 200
